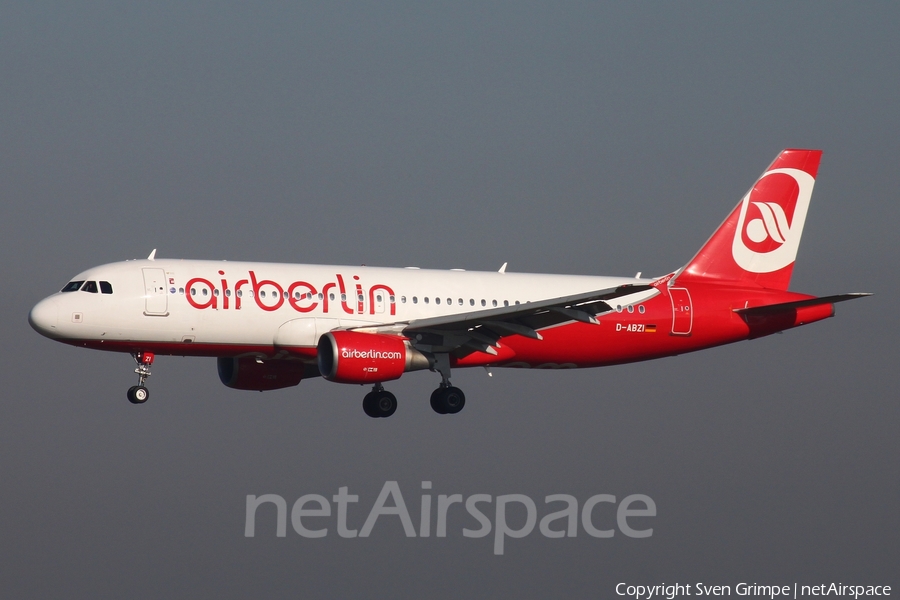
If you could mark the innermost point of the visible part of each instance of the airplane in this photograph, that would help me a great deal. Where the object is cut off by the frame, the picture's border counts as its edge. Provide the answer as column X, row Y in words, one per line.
column 270, row 325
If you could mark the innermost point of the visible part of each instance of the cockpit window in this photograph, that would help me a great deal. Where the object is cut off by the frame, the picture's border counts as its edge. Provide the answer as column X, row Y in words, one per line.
column 105, row 287
column 91, row 287
column 72, row 286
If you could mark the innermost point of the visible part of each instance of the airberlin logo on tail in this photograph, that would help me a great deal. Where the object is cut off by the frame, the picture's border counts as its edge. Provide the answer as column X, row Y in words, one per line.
column 771, row 220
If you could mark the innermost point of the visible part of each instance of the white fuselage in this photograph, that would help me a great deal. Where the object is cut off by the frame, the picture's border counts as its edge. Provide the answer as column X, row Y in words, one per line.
column 244, row 304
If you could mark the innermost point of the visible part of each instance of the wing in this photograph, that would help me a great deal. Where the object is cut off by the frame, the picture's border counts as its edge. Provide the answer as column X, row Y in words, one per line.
column 481, row 331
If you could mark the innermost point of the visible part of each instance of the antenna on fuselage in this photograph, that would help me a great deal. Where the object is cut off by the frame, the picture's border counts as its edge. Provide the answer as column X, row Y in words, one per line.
column 502, row 269
column 152, row 255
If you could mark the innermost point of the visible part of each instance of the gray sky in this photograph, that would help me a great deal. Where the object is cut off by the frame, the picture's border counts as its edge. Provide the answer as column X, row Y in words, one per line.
column 560, row 137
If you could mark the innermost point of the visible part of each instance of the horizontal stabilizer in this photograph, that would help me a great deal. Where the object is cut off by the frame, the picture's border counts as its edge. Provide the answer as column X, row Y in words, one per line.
column 776, row 308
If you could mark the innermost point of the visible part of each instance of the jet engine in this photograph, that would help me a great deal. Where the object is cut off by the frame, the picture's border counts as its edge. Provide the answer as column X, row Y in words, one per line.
column 356, row 357
column 249, row 373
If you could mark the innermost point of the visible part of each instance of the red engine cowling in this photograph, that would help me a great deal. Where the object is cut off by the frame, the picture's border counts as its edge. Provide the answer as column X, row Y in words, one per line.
column 249, row 374
column 354, row 357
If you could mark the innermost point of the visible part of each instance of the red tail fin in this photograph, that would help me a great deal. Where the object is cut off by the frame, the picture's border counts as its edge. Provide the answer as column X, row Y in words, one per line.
column 757, row 244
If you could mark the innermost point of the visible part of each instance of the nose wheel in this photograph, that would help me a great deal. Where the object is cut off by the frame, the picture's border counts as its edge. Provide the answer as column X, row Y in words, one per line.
column 138, row 394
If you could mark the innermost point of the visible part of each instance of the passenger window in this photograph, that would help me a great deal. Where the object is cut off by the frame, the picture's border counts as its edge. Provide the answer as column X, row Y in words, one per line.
column 471, row 301
column 641, row 309
column 403, row 299
column 483, row 302
column 90, row 287
column 72, row 286
column 494, row 302
column 240, row 293
column 506, row 303
column 631, row 308
column 392, row 299
column 105, row 287
column 426, row 299
column 436, row 300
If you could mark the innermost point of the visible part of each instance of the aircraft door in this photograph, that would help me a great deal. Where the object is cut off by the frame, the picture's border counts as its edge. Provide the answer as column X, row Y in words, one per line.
column 682, row 317
column 156, row 299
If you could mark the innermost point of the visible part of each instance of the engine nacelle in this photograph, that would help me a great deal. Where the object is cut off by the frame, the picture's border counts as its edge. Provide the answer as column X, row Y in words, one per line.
column 247, row 373
column 355, row 357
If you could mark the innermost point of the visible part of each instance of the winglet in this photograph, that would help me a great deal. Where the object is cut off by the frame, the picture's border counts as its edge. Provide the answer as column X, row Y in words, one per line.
column 152, row 255
column 502, row 269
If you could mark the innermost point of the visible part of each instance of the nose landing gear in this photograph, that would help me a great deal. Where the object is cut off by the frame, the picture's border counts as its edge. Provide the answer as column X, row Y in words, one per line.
column 138, row 394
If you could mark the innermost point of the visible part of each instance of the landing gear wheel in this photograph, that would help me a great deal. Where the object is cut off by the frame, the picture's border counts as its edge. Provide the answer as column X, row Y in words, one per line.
column 138, row 394
column 379, row 404
column 369, row 405
column 385, row 404
column 454, row 400
column 447, row 400
column 437, row 404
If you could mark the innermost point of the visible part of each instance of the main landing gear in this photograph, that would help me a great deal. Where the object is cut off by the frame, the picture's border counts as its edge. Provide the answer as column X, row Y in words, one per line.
column 379, row 402
column 138, row 394
column 445, row 400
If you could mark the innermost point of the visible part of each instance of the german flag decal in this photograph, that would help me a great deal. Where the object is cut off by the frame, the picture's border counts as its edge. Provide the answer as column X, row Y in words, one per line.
column 651, row 329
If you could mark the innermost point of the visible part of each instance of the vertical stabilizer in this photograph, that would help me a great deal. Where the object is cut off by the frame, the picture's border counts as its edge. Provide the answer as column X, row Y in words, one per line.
column 757, row 244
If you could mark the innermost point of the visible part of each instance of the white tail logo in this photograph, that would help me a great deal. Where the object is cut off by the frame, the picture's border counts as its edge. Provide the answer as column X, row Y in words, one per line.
column 774, row 237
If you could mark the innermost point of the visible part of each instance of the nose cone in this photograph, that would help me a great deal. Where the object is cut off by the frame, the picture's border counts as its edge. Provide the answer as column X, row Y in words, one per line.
column 44, row 317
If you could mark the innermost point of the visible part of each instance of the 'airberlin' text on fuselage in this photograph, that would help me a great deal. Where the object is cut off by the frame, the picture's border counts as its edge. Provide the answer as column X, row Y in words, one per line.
column 302, row 296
